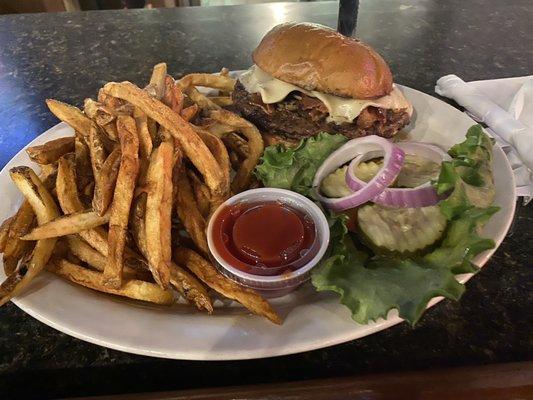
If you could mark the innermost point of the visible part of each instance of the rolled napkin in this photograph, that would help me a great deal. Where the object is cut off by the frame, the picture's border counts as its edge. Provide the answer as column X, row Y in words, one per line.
column 506, row 107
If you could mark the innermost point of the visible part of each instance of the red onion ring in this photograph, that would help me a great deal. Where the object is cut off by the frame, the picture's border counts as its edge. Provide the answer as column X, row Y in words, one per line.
column 392, row 163
column 427, row 150
column 420, row 196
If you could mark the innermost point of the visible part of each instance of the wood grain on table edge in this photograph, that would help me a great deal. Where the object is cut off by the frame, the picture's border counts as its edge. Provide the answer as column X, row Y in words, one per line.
column 488, row 382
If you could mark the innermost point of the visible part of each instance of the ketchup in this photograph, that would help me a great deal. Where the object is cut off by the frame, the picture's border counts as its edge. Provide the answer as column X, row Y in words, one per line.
column 266, row 238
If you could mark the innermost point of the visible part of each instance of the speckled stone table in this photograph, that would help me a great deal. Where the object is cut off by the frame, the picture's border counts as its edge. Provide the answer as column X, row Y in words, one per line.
column 69, row 56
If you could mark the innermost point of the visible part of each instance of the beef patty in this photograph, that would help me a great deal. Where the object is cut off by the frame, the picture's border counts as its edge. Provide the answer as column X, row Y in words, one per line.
column 299, row 116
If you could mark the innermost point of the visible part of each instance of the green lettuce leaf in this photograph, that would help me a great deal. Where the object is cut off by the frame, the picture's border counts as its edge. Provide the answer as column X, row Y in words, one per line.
column 476, row 147
column 294, row 169
column 371, row 286
column 462, row 242
column 468, row 175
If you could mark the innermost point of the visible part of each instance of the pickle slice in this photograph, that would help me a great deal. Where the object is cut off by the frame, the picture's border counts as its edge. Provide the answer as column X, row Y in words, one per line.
column 368, row 169
column 400, row 230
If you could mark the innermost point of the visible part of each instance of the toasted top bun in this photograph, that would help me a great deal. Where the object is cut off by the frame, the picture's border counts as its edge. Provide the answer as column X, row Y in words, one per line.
column 315, row 57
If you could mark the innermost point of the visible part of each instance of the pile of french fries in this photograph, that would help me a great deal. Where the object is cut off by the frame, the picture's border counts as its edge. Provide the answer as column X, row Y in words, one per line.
column 121, row 207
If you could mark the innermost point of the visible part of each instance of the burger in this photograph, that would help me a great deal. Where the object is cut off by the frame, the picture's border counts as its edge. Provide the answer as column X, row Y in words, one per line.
column 307, row 79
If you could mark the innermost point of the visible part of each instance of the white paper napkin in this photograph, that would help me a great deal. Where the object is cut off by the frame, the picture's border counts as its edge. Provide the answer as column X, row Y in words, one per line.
column 506, row 107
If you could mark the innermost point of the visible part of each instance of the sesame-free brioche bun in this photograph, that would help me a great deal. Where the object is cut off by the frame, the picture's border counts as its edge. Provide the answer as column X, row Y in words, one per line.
column 315, row 57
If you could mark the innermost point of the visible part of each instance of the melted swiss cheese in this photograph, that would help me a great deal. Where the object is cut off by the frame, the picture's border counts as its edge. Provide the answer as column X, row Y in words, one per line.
column 341, row 109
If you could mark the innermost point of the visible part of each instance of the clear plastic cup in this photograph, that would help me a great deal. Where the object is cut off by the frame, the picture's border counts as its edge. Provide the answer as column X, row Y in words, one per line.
column 273, row 285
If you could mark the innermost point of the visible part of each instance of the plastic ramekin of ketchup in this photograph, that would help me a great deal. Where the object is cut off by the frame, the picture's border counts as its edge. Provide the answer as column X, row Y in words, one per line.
column 268, row 239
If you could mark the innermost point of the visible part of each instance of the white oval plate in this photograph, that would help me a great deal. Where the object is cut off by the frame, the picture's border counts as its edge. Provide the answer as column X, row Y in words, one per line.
column 311, row 320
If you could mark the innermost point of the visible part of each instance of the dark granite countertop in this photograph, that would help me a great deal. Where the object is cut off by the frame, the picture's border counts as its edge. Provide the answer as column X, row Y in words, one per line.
column 69, row 56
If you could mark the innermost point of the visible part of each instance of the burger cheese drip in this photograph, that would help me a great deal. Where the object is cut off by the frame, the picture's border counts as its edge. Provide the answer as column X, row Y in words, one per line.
column 340, row 109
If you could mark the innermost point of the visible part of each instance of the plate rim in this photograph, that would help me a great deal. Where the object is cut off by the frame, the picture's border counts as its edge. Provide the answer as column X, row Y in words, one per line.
column 259, row 353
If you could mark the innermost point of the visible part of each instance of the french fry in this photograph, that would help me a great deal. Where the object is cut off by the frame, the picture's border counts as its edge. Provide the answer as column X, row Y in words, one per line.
column 71, row 115
column 97, row 238
column 130, row 156
column 215, row 280
column 134, row 289
column 66, row 225
column 96, row 260
column 102, row 98
column 45, row 210
column 221, row 82
column 48, row 175
column 189, row 141
column 222, row 101
column 179, row 98
column 224, row 72
column 157, row 217
column 137, row 226
column 98, row 112
column 86, row 253
column 216, row 128
column 70, row 203
column 96, row 150
column 175, row 158
column 255, row 146
column 190, row 288
column 145, row 143
column 4, row 232
column 115, row 106
column 145, row 140
column 204, row 102
column 217, row 148
column 112, row 103
column 234, row 160
column 125, row 109
column 82, row 157
column 67, row 192
column 177, row 170
column 164, row 134
column 157, row 80
column 201, row 194
column 109, row 145
column 111, row 131
column 35, row 192
column 185, row 283
column 51, row 151
column 156, row 88
column 173, row 97
column 68, row 198
column 15, row 248
column 120, row 208
column 190, row 215
column 237, row 144
column 107, row 112
column 153, row 129
column 190, row 112
column 105, row 182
